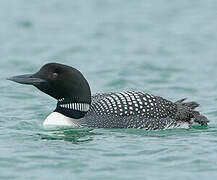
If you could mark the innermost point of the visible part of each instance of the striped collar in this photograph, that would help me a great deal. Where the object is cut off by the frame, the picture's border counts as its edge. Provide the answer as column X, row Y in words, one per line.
column 84, row 107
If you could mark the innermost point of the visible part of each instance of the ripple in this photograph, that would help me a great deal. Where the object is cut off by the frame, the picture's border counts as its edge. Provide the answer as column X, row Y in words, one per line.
column 167, row 48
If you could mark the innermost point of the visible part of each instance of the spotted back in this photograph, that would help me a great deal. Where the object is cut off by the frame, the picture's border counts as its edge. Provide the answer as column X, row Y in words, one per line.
column 132, row 103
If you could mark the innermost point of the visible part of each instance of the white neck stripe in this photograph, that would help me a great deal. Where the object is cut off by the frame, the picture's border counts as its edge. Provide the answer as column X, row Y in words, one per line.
column 76, row 106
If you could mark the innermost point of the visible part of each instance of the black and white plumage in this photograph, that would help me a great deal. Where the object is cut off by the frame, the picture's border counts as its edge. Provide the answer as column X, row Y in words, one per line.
column 109, row 110
column 139, row 110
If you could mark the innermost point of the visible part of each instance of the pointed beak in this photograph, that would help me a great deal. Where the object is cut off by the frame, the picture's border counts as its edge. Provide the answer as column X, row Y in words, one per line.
column 27, row 79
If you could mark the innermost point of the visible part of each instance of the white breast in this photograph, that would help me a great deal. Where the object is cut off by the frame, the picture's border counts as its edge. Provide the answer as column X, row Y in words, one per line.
column 57, row 119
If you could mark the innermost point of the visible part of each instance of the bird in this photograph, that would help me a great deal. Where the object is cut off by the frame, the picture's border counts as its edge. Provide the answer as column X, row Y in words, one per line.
column 76, row 107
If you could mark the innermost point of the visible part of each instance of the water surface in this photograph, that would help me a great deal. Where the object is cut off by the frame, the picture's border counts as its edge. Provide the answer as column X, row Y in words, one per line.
column 166, row 48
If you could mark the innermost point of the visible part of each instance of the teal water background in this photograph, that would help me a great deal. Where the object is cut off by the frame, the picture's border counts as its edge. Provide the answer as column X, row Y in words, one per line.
column 167, row 48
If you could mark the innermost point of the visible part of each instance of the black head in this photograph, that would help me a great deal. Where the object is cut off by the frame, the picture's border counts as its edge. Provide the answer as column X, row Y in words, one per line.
column 59, row 81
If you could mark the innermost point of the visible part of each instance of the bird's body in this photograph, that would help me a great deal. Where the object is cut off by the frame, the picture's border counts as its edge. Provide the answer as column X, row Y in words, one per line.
column 77, row 108
column 129, row 110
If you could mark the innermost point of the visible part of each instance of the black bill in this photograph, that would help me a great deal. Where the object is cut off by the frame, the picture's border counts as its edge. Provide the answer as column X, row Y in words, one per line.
column 26, row 79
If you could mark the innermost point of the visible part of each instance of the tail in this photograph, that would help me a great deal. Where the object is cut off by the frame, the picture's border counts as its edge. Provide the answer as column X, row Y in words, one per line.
column 190, row 107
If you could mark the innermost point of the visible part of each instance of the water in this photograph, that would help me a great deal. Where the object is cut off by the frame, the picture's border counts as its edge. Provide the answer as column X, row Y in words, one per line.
column 164, row 47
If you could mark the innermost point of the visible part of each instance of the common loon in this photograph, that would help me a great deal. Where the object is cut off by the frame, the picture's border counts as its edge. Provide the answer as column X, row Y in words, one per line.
column 76, row 107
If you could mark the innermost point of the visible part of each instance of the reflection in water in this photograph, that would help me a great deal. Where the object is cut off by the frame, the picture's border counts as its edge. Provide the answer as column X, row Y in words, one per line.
column 157, row 133
column 80, row 135
column 69, row 134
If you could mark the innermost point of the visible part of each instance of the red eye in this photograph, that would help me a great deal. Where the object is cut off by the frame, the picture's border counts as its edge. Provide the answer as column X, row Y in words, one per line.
column 54, row 75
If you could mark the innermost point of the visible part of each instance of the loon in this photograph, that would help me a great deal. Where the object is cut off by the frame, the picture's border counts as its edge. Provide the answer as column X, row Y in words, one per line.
column 76, row 107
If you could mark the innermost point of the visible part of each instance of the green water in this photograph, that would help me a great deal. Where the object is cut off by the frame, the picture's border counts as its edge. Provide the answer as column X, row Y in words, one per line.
column 166, row 48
